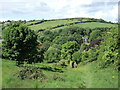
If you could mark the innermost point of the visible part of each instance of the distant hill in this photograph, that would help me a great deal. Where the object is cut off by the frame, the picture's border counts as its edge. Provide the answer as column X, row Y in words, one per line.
column 55, row 24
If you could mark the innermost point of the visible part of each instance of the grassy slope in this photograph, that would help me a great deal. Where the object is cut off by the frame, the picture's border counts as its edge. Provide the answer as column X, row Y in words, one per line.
column 90, row 25
column 53, row 23
column 49, row 24
column 85, row 76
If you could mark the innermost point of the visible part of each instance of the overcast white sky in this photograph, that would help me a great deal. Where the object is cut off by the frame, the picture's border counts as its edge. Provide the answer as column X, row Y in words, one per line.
column 51, row 9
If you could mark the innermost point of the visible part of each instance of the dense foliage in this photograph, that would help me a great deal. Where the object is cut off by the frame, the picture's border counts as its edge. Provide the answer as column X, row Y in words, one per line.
column 69, row 57
column 106, row 52
column 20, row 43
column 52, row 54
column 62, row 44
column 68, row 49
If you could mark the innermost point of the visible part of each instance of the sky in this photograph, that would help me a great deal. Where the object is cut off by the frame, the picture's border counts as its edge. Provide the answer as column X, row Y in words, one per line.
column 57, row 9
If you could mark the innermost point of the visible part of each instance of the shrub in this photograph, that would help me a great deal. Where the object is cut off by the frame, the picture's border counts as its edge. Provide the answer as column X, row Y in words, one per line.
column 30, row 73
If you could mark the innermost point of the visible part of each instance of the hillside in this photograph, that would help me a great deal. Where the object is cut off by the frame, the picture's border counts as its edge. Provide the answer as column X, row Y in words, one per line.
column 60, row 53
column 56, row 24
column 63, row 23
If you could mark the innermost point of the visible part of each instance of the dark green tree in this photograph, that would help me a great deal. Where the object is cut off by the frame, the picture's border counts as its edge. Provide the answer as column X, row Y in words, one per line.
column 20, row 43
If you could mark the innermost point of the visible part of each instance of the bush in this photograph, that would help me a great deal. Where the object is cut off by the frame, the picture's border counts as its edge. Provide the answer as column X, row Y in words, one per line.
column 30, row 73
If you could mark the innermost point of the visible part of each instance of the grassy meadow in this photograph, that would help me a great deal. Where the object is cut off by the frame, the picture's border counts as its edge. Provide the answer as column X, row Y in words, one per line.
column 89, row 25
column 85, row 76
column 53, row 23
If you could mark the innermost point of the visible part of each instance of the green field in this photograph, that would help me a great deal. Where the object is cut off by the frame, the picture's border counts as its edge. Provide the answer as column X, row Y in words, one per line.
column 53, row 23
column 85, row 76
column 90, row 25
column 49, row 24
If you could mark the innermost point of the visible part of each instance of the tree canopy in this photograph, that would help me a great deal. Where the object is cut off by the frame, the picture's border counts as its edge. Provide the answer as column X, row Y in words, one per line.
column 20, row 43
column 69, row 48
